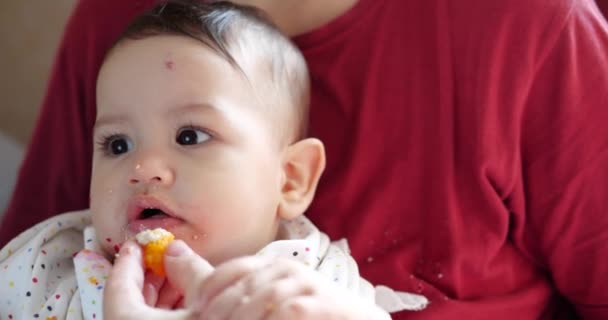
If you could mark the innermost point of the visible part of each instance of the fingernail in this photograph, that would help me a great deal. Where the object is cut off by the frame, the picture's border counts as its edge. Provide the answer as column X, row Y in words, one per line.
column 150, row 294
column 199, row 305
column 176, row 249
column 126, row 248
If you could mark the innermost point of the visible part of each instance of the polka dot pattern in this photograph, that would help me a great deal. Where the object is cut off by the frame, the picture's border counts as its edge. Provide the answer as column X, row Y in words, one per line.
column 306, row 244
column 37, row 269
column 37, row 272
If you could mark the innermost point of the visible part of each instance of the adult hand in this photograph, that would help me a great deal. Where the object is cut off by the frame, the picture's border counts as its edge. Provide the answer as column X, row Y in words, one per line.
column 128, row 296
column 158, row 292
column 257, row 288
column 243, row 288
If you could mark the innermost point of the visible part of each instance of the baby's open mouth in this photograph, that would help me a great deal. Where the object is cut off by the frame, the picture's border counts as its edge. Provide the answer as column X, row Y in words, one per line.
column 152, row 213
column 147, row 212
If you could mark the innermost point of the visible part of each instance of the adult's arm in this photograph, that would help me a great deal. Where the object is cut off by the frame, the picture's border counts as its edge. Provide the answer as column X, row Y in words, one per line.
column 564, row 154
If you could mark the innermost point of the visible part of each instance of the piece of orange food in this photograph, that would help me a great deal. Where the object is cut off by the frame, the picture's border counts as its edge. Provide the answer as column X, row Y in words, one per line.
column 155, row 242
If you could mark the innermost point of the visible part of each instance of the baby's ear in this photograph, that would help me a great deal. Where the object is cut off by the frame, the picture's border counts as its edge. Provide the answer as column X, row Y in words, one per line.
column 303, row 164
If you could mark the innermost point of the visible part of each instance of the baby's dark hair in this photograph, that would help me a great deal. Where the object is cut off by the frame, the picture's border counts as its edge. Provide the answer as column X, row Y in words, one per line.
column 239, row 34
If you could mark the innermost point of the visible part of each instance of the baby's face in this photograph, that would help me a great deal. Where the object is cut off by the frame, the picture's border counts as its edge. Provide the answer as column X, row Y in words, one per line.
column 180, row 144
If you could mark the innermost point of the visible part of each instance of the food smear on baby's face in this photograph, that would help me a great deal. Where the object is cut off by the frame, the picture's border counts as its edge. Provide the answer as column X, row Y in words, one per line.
column 154, row 243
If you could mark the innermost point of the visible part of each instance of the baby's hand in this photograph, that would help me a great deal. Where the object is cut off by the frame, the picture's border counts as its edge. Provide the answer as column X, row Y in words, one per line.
column 256, row 288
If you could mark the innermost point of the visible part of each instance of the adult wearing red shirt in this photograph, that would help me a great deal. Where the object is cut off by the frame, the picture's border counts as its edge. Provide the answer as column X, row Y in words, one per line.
column 467, row 144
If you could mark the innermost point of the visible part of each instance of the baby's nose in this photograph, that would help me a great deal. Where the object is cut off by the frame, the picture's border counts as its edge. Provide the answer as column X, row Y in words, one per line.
column 151, row 172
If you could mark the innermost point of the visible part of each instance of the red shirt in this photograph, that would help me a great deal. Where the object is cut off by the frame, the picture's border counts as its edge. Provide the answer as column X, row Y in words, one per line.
column 467, row 147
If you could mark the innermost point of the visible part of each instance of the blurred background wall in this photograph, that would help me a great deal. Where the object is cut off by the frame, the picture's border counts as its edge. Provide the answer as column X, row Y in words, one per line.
column 30, row 31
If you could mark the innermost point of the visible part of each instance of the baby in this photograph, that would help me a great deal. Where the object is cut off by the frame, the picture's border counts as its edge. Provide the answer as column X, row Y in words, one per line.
column 200, row 130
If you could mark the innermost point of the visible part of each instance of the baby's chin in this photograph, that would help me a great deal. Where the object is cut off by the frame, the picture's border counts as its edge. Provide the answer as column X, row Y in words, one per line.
column 217, row 256
column 205, row 250
column 110, row 242
column 109, row 250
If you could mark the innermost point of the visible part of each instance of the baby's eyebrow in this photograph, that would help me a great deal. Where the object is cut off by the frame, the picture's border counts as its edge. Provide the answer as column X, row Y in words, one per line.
column 194, row 107
column 110, row 119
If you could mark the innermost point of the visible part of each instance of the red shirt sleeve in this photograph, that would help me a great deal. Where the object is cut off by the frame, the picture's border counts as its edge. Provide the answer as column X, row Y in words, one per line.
column 563, row 191
column 55, row 174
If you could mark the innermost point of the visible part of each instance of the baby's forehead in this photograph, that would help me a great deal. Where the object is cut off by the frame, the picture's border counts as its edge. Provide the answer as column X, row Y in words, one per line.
column 258, row 71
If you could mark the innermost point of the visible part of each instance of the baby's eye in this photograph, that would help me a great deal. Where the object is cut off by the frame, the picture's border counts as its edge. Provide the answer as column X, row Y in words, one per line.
column 190, row 136
column 116, row 145
column 119, row 145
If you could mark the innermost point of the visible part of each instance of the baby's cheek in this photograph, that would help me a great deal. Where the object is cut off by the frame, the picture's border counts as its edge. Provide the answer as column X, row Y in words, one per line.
column 112, row 244
column 109, row 240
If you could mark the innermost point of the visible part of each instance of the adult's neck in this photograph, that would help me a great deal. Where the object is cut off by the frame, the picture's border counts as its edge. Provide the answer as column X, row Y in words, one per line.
column 296, row 17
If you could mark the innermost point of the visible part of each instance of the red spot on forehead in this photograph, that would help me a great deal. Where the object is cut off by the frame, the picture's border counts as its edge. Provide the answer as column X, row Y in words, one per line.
column 169, row 64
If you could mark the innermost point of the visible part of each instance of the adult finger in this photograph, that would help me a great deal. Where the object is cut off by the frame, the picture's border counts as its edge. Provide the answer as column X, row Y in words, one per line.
column 226, row 275
column 243, row 295
column 153, row 284
column 168, row 297
column 272, row 286
column 266, row 300
column 123, row 298
column 301, row 308
column 186, row 271
column 125, row 281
